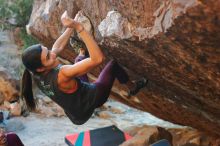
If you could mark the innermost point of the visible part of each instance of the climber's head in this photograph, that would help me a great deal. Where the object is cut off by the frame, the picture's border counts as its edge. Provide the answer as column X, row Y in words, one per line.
column 31, row 57
column 38, row 58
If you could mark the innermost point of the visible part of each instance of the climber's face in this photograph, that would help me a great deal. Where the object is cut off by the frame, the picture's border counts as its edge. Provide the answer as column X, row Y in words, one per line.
column 48, row 59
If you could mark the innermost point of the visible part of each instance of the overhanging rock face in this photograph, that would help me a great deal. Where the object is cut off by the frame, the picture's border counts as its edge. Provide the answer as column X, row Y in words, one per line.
column 174, row 44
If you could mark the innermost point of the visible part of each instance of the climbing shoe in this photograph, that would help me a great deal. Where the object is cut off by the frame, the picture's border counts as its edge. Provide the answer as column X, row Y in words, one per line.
column 138, row 85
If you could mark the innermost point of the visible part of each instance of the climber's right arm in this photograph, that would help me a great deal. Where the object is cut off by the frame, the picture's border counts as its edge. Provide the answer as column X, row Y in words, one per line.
column 61, row 42
column 95, row 52
column 95, row 58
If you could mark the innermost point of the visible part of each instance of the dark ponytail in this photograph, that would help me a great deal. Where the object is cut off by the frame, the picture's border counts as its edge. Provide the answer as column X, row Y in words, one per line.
column 26, row 91
column 31, row 58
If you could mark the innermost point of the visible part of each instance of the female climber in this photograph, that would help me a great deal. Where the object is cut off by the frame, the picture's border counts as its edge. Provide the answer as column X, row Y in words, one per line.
column 61, row 83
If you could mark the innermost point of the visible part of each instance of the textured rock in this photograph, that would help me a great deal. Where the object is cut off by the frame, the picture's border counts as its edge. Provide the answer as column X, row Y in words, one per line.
column 9, row 91
column 189, row 136
column 49, row 108
column 15, row 108
column 8, row 86
column 146, row 135
column 173, row 43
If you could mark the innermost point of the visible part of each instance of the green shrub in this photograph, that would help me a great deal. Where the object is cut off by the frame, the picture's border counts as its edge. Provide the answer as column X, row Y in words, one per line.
column 5, row 13
column 27, row 39
column 4, row 9
column 22, row 11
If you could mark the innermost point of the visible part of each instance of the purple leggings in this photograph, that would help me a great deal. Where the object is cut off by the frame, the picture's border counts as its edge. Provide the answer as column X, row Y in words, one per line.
column 13, row 140
column 106, row 79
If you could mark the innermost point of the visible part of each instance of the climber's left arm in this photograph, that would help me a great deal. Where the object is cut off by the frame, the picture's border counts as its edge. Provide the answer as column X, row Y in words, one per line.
column 61, row 42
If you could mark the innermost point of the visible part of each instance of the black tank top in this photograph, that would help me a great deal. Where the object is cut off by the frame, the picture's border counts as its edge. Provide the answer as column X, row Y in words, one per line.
column 79, row 105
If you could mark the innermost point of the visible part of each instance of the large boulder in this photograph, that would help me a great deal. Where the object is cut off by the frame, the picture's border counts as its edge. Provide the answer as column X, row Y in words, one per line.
column 192, row 137
column 9, row 91
column 147, row 135
column 175, row 44
column 9, row 87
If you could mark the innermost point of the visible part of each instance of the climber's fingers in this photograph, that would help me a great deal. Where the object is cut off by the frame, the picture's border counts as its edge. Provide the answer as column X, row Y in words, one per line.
column 64, row 15
column 66, row 20
column 69, row 22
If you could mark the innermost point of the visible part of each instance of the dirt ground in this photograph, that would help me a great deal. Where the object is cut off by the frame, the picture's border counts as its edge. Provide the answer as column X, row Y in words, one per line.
column 41, row 130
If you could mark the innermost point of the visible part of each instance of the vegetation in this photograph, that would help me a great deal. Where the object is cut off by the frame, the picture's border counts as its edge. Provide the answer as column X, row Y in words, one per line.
column 27, row 39
column 13, row 14
column 16, row 13
column 21, row 10
column 5, row 13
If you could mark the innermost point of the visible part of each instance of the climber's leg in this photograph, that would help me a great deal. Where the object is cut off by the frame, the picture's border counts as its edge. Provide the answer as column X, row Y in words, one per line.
column 106, row 79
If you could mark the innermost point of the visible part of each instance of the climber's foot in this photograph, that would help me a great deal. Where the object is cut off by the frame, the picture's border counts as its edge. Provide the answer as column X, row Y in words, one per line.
column 139, row 84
